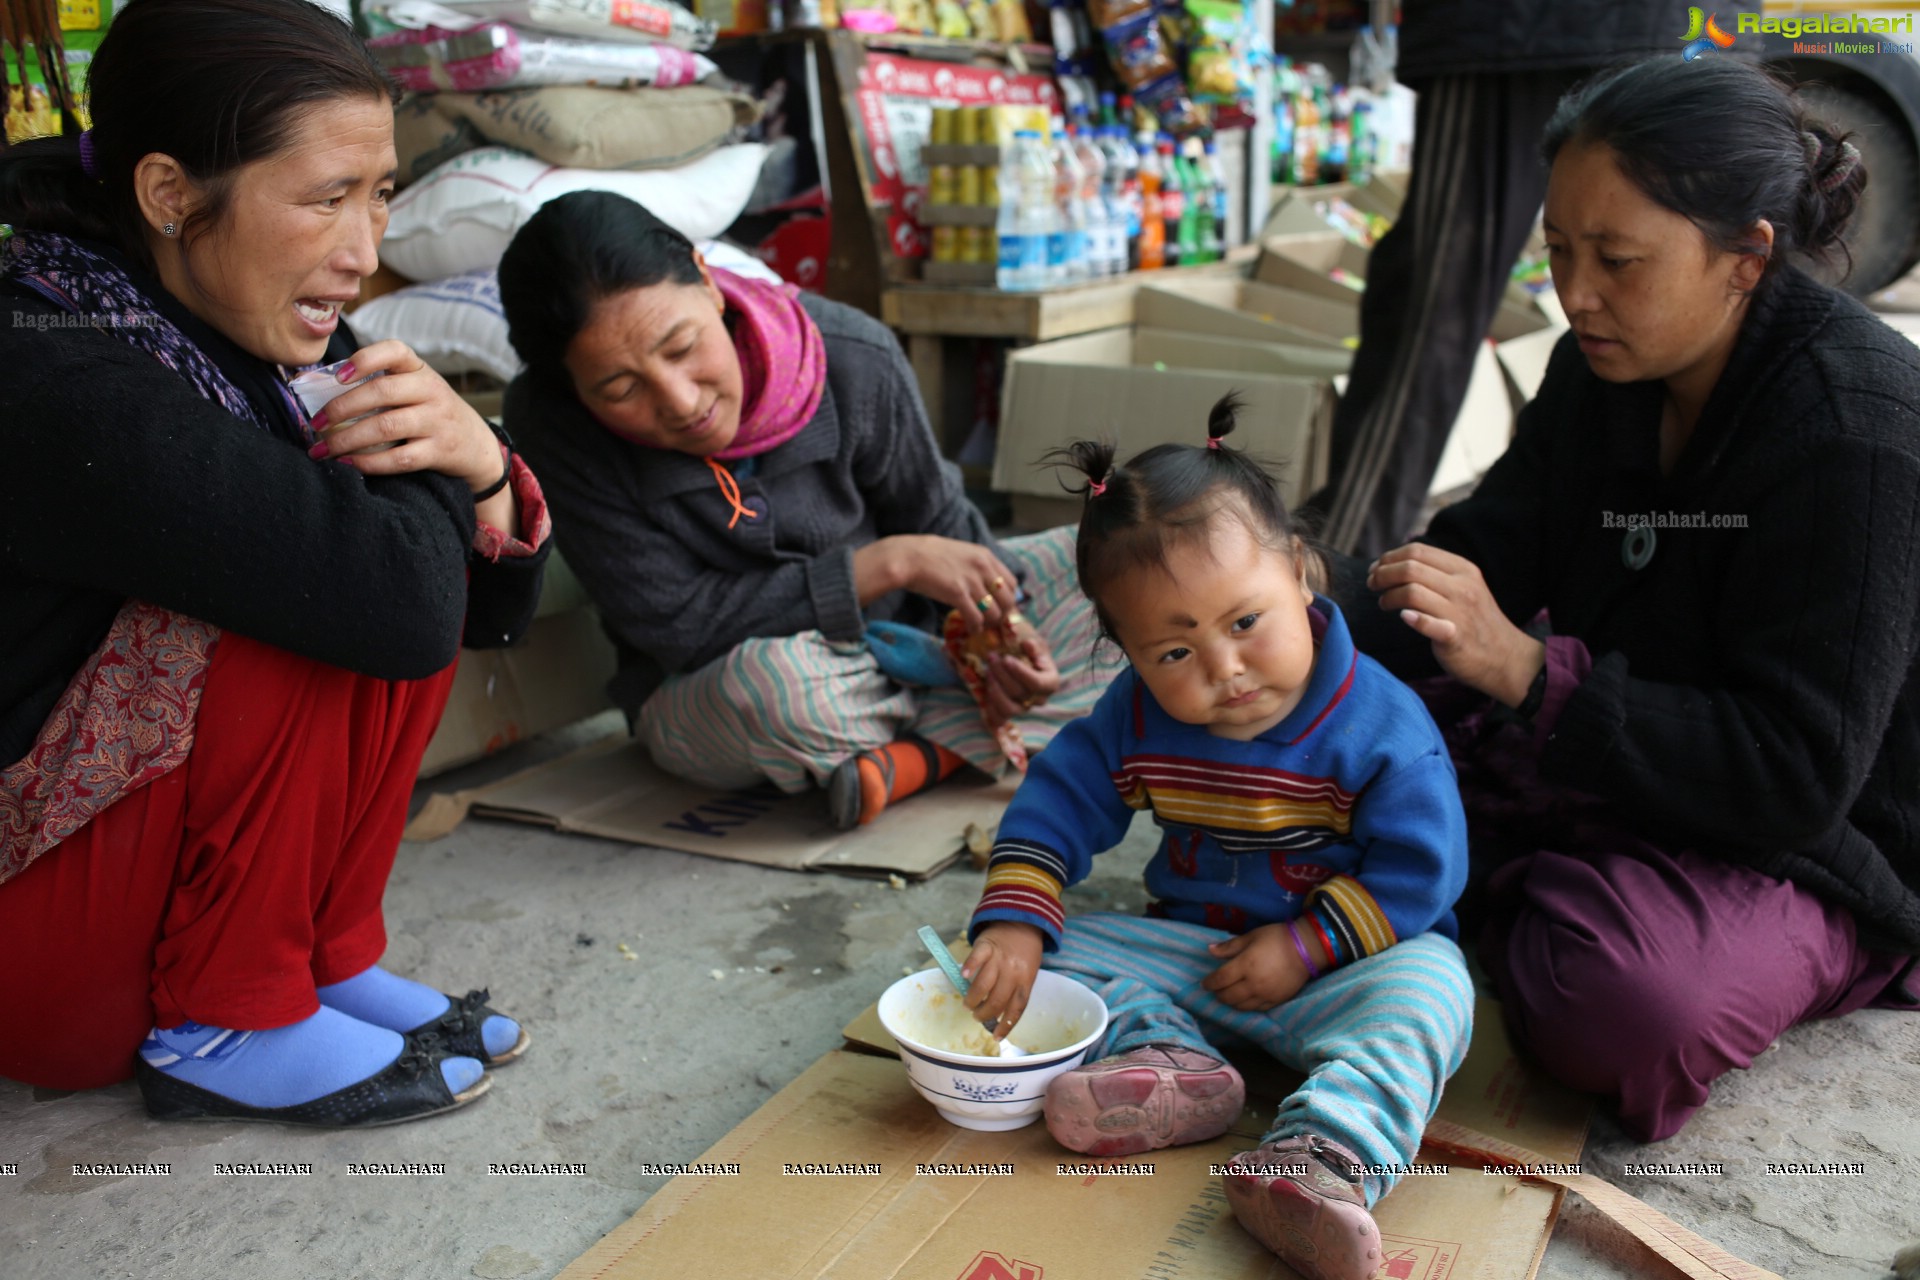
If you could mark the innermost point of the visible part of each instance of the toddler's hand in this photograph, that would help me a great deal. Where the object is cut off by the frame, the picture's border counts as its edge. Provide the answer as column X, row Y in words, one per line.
column 1002, row 966
column 1262, row 969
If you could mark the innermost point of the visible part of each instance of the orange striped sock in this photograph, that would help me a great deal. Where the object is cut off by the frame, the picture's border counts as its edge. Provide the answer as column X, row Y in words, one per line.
column 907, row 764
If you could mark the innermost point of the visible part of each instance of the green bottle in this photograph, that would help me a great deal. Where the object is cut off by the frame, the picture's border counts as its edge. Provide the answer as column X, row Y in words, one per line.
column 1192, row 243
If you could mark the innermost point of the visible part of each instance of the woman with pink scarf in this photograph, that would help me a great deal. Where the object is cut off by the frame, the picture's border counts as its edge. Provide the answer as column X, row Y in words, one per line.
column 744, row 479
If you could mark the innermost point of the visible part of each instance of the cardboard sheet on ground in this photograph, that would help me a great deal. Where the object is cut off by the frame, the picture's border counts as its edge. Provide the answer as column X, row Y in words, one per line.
column 613, row 790
column 762, row 1218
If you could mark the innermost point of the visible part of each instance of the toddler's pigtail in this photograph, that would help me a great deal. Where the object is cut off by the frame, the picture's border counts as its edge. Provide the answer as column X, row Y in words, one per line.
column 1222, row 418
column 1092, row 459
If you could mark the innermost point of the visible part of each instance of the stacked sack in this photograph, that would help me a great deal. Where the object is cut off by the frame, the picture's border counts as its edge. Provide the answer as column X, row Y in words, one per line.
column 514, row 102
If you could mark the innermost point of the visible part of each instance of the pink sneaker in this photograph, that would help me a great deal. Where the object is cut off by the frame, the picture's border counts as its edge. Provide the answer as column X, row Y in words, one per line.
column 1301, row 1198
column 1160, row 1095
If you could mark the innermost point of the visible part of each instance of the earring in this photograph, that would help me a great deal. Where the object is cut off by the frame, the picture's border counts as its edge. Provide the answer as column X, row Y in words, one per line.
column 167, row 230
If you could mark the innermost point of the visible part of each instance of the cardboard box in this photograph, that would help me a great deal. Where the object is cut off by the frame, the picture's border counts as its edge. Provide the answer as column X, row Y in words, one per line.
column 1250, row 311
column 1523, row 363
column 1305, row 261
column 1299, row 209
column 557, row 675
column 1143, row 388
column 1027, row 1219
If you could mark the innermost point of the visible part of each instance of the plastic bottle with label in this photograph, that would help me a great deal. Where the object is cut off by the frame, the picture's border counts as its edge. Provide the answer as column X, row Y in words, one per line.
column 1190, row 234
column 1173, row 197
column 1153, row 227
column 1067, row 247
column 1026, row 214
column 1215, row 180
column 1106, row 225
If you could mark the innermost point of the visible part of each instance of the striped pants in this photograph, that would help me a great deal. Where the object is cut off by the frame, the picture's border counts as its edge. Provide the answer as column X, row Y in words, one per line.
column 1377, row 1039
column 790, row 709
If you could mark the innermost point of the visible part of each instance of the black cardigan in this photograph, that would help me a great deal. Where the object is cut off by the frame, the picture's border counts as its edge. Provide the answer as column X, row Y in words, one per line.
column 118, row 481
column 1753, row 693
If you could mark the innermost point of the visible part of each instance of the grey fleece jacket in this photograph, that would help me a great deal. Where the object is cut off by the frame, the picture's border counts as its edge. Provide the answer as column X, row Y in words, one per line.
column 646, row 529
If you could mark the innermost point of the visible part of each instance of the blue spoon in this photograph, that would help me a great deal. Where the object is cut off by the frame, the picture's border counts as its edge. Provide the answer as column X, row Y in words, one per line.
column 948, row 965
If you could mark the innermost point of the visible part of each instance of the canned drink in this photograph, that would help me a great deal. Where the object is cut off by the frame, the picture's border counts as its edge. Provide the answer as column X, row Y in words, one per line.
column 981, row 128
column 940, row 184
column 966, row 126
column 990, row 188
column 946, row 244
column 966, row 189
column 979, row 244
column 942, row 132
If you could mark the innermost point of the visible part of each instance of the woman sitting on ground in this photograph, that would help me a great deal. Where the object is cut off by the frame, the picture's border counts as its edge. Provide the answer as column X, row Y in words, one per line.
column 227, row 628
column 1704, row 827
column 746, row 483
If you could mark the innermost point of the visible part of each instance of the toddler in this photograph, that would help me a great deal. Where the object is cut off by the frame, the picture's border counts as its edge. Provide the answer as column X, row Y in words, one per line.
column 1302, row 895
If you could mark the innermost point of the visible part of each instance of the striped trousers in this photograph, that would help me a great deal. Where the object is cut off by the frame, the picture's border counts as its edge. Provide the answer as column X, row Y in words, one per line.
column 790, row 709
column 1377, row 1039
column 1433, row 284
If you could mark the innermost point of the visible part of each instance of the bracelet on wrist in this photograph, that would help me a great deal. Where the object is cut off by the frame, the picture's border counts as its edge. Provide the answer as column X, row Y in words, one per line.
column 506, row 474
column 1313, row 970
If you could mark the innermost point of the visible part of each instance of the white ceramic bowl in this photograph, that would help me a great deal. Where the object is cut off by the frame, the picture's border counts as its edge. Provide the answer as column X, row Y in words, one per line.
column 924, row 1014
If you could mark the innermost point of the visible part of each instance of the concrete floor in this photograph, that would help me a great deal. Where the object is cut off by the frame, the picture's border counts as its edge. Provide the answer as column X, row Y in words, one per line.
column 649, row 1058
column 652, row 1059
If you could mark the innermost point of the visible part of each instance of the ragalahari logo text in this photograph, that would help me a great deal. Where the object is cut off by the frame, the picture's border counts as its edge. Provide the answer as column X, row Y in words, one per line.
column 1703, row 33
column 989, row 1265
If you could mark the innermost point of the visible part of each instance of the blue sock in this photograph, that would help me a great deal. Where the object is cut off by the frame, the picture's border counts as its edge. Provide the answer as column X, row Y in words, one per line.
column 287, row 1065
column 401, row 1004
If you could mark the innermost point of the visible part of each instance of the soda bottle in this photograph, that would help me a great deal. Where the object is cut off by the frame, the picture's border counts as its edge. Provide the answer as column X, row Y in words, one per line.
column 1191, row 236
column 1153, row 227
column 1173, row 198
column 1216, row 185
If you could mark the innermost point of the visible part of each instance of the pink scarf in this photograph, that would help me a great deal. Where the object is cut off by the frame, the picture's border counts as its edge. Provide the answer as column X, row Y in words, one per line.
column 783, row 363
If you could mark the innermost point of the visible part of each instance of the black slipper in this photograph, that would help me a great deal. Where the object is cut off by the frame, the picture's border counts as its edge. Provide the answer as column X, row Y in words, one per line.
column 409, row 1088
column 458, row 1029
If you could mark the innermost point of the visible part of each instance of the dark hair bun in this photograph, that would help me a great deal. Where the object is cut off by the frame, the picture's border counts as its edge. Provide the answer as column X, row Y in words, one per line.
column 1835, row 179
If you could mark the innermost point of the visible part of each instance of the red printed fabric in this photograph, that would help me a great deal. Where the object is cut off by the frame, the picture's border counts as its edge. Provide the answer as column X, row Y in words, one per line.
column 126, row 719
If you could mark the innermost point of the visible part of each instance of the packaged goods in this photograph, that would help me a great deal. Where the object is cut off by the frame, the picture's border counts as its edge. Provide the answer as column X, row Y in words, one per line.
column 632, row 21
column 457, row 325
column 461, row 216
column 494, row 55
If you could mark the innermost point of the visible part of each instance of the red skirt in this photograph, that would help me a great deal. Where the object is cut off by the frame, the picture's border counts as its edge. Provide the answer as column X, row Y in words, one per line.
column 226, row 891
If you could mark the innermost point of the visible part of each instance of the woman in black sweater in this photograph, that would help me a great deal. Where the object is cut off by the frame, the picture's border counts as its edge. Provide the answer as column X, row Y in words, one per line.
column 227, row 625
column 1699, row 795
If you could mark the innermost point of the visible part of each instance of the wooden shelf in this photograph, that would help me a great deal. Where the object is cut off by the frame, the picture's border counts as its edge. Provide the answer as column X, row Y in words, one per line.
column 936, row 311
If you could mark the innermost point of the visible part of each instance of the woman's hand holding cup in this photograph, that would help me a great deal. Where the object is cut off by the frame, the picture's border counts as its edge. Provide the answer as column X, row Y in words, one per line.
column 404, row 417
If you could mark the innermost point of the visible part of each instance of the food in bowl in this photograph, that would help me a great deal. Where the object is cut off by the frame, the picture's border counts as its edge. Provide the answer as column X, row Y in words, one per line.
column 948, row 1055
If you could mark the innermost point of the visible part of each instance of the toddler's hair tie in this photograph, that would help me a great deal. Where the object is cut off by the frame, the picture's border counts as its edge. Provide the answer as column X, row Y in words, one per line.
column 86, row 154
column 1213, row 442
column 1097, row 487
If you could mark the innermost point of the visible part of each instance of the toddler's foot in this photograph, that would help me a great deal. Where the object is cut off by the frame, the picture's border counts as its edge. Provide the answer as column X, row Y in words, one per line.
column 1160, row 1095
column 329, row 1069
column 1301, row 1198
column 863, row 786
column 466, row 1027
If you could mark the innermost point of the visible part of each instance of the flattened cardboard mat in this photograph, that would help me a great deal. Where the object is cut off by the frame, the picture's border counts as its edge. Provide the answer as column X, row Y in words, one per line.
column 747, row 1210
column 613, row 790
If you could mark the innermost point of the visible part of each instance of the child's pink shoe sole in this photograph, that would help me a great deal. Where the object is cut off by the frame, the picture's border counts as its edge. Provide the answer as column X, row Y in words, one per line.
column 1157, row 1096
column 1317, row 1223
